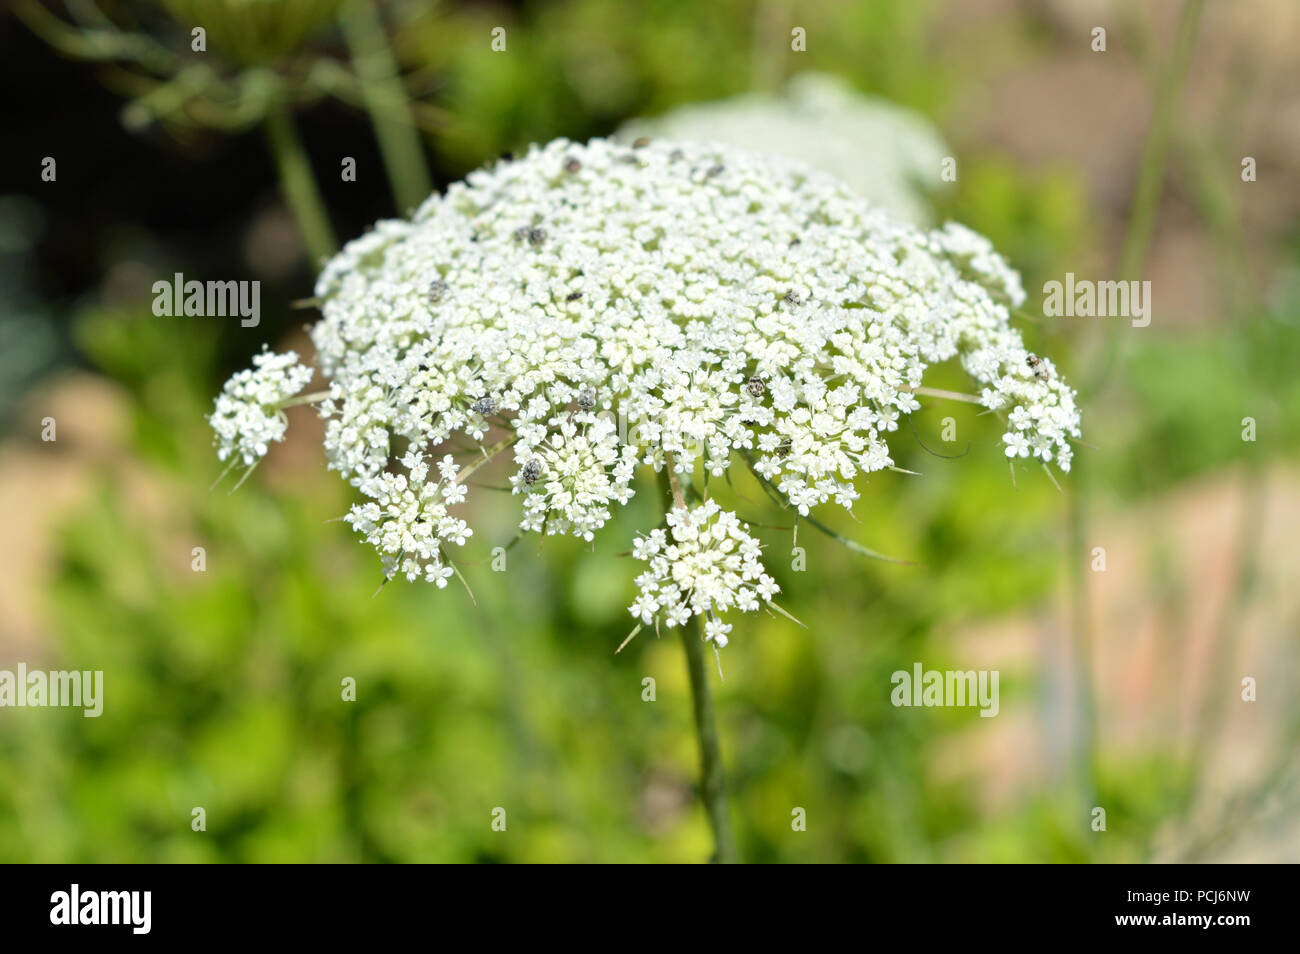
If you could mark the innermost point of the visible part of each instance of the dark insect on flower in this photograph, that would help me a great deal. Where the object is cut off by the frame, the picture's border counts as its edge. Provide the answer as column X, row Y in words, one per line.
column 573, row 296
column 676, row 155
column 536, row 236
column 755, row 386
column 485, row 406
column 436, row 291
column 572, row 164
column 520, row 233
column 532, row 470
column 783, row 449
column 715, row 171
column 1035, row 362
column 795, row 241
column 641, row 142
column 586, row 399
column 791, row 297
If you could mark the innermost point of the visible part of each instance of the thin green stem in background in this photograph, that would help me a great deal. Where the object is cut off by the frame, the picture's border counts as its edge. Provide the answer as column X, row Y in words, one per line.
column 1081, row 643
column 771, row 45
column 299, row 184
column 1151, row 174
column 1137, row 244
column 386, row 101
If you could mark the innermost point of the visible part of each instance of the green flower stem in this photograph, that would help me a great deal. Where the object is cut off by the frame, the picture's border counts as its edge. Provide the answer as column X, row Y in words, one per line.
column 299, row 184
column 713, row 784
column 386, row 101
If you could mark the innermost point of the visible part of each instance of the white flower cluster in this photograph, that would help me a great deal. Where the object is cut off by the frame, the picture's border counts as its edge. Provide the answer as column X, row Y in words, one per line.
column 406, row 518
column 573, row 469
column 248, row 414
column 887, row 154
column 703, row 564
column 720, row 306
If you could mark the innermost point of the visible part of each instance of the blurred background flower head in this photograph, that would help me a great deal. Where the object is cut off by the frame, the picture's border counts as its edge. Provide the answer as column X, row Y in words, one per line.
column 887, row 154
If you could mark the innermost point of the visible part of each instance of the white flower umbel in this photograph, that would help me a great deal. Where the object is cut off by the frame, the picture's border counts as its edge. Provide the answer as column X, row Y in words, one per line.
column 406, row 519
column 887, row 154
column 724, row 306
column 249, row 414
column 572, row 474
column 704, row 564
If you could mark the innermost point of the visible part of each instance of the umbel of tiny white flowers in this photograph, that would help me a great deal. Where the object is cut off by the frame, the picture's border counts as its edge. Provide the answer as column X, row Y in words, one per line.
column 726, row 306
column 249, row 413
column 703, row 564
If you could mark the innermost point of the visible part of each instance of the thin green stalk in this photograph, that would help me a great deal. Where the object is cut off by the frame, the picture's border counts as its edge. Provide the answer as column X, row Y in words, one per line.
column 713, row 784
column 1151, row 172
column 1081, row 639
column 771, row 39
column 386, row 101
column 1214, row 202
column 1222, row 683
column 298, row 183
column 1137, row 243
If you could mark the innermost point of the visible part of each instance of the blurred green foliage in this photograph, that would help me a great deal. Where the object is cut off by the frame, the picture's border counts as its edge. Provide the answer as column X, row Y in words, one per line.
column 579, row 69
column 223, row 688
